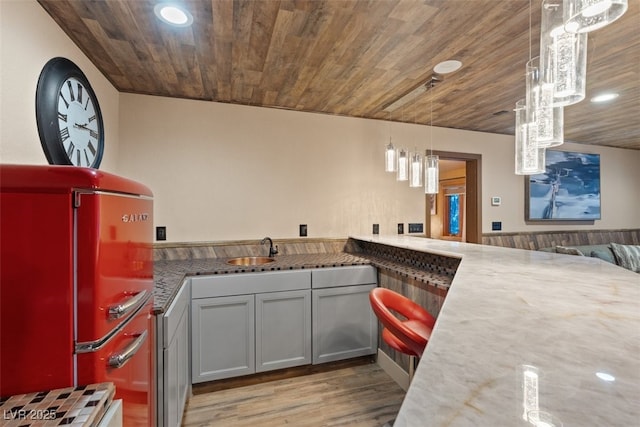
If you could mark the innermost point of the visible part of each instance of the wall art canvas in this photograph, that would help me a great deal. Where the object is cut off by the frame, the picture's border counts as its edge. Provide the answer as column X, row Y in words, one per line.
column 568, row 190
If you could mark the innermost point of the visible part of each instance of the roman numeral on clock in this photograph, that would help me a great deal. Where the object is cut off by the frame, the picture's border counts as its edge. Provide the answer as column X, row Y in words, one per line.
column 73, row 98
column 79, row 93
column 65, row 101
column 93, row 134
column 64, row 134
column 71, row 150
column 62, row 117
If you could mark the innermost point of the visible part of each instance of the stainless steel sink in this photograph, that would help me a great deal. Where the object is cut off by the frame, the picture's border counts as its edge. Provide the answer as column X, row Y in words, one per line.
column 250, row 260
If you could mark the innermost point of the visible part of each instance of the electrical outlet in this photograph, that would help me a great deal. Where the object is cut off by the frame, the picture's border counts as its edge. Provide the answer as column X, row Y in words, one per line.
column 161, row 233
column 416, row 228
column 303, row 230
column 376, row 228
column 400, row 228
column 496, row 225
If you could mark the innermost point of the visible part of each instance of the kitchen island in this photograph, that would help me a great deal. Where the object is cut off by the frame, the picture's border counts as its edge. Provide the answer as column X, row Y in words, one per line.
column 526, row 338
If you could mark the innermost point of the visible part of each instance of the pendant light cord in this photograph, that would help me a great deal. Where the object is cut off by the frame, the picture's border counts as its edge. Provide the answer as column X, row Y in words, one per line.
column 431, row 115
column 529, row 30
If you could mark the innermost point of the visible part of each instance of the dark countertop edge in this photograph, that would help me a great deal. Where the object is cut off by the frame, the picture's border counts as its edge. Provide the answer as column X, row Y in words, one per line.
column 257, row 269
column 401, row 269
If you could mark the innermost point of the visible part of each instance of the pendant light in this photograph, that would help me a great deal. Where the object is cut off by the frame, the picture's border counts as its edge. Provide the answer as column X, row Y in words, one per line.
column 583, row 16
column 529, row 157
column 540, row 109
column 403, row 165
column 431, row 175
column 415, row 169
column 431, row 172
column 390, row 158
column 563, row 56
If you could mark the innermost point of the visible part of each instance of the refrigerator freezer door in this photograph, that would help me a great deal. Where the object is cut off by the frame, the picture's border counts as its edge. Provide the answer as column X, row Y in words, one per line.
column 114, row 259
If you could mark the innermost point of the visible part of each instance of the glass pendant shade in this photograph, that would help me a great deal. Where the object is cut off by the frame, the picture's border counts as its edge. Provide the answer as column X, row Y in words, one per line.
column 415, row 170
column 583, row 16
column 540, row 110
column 431, row 175
column 403, row 165
column 390, row 160
column 563, row 56
column 529, row 157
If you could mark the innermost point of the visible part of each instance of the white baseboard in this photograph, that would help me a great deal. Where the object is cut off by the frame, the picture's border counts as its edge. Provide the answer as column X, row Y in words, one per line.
column 394, row 370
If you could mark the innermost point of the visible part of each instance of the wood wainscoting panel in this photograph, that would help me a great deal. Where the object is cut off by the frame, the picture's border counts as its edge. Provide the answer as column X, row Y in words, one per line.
column 547, row 239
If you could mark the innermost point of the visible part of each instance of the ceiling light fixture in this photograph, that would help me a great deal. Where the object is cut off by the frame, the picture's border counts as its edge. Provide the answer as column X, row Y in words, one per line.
column 604, row 97
column 431, row 170
column 173, row 14
column 563, row 56
column 583, row 16
column 529, row 157
column 446, row 67
column 403, row 165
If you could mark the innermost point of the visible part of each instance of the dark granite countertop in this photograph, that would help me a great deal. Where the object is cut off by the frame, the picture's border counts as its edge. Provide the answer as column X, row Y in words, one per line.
column 169, row 275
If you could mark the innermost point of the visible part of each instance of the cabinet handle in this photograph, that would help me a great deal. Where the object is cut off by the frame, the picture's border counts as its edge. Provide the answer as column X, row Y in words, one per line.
column 119, row 310
column 119, row 360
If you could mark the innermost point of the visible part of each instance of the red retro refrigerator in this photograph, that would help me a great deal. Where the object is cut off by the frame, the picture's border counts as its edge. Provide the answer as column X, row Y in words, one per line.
column 76, row 283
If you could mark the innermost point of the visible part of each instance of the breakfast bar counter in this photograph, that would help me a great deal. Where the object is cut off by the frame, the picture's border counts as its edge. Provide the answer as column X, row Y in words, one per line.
column 527, row 338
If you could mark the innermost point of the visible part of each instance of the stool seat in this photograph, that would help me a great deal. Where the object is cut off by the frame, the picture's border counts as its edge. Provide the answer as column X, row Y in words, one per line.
column 408, row 336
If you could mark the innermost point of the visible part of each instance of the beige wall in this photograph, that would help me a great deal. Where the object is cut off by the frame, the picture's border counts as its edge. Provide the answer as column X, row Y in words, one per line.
column 29, row 38
column 222, row 172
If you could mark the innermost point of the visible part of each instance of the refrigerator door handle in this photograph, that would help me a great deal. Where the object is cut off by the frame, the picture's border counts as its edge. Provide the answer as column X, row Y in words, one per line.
column 121, row 309
column 120, row 359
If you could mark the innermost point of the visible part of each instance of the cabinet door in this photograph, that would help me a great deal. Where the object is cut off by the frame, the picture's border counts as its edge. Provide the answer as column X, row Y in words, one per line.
column 222, row 337
column 283, row 330
column 176, row 373
column 344, row 325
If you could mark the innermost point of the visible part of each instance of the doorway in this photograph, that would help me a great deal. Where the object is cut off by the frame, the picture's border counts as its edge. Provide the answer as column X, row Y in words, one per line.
column 455, row 213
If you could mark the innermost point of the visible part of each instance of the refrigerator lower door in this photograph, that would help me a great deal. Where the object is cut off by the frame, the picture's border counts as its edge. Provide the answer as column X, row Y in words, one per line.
column 126, row 361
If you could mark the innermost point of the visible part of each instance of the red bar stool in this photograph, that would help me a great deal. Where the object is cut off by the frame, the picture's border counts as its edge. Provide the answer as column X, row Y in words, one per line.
column 408, row 336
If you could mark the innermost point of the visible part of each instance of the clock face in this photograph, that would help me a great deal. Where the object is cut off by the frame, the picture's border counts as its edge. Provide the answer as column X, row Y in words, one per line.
column 68, row 116
column 77, row 121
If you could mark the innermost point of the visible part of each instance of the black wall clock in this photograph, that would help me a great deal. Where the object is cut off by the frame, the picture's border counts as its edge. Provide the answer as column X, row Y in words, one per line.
column 68, row 116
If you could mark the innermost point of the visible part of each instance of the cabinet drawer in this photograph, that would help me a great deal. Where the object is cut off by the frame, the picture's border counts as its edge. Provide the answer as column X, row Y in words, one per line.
column 343, row 276
column 249, row 283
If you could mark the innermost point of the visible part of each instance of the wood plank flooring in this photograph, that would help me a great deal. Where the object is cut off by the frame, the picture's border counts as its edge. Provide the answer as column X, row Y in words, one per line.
column 362, row 395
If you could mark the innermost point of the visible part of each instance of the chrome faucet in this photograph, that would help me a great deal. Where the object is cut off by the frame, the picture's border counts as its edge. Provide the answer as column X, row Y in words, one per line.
column 272, row 251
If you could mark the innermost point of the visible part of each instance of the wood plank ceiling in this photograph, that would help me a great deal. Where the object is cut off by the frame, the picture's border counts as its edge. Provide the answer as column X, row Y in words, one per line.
column 356, row 57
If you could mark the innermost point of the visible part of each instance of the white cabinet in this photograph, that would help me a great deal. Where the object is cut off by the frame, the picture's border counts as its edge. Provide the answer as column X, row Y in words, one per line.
column 223, row 337
column 173, row 359
column 344, row 325
column 283, row 330
column 252, row 322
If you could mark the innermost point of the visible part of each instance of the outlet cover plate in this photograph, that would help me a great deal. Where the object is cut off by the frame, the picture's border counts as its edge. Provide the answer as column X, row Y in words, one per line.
column 161, row 233
column 416, row 228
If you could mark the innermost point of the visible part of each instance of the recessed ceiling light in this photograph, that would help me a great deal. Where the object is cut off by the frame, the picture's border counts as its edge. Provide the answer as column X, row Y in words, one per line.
column 604, row 97
column 446, row 67
column 173, row 14
column 605, row 377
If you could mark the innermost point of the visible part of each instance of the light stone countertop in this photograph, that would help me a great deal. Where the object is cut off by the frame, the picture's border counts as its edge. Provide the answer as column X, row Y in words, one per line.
column 567, row 317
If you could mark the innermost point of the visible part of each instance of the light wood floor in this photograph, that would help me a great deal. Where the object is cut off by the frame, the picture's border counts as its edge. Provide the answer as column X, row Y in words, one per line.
column 361, row 395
